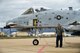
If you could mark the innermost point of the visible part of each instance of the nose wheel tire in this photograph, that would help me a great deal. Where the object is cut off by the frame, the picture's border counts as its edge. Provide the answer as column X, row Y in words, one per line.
column 35, row 42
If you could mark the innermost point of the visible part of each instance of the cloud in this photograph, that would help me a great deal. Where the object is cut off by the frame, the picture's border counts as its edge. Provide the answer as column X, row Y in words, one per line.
column 58, row 3
column 78, row 1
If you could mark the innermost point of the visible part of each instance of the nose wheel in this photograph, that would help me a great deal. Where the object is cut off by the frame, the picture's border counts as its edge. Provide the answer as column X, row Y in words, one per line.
column 35, row 42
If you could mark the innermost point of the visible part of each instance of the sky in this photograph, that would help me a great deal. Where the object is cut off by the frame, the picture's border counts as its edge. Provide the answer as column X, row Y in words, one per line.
column 10, row 9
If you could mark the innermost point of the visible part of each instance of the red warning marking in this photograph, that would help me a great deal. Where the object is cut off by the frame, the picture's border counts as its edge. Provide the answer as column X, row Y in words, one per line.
column 41, row 49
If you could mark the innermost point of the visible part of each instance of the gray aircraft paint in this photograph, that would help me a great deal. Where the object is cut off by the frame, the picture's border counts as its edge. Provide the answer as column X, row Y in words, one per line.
column 47, row 18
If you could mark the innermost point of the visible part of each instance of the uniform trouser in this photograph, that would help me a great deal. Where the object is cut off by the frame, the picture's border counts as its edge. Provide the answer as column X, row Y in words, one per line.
column 59, row 38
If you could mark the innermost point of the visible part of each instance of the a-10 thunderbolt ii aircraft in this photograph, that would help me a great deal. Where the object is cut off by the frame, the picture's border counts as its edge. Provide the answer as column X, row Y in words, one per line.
column 43, row 17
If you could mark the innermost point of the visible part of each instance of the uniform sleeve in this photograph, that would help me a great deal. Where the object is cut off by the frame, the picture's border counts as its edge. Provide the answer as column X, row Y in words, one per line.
column 62, row 30
column 56, row 30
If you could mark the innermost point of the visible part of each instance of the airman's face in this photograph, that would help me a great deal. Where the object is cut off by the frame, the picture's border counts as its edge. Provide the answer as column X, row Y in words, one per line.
column 59, row 26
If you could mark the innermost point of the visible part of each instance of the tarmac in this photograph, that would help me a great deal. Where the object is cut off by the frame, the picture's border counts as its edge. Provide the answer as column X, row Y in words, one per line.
column 46, row 45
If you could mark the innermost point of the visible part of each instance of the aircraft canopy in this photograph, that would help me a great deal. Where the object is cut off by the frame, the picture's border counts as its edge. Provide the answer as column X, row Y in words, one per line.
column 33, row 10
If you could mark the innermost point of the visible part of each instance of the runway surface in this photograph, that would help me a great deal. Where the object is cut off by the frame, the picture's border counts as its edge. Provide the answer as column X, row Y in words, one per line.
column 47, row 45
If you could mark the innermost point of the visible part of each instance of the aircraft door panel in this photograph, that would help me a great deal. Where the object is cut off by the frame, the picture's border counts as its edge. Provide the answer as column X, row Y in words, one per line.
column 35, row 22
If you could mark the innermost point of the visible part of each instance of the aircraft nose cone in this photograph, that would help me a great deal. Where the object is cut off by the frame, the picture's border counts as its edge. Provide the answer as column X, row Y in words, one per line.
column 11, row 24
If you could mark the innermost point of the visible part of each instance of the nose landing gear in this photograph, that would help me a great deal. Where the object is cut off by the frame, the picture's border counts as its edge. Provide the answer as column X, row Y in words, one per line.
column 35, row 42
